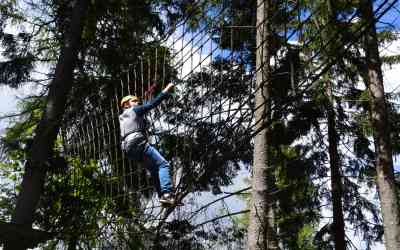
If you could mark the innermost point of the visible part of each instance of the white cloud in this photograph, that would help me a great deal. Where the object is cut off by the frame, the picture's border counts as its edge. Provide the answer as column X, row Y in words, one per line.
column 193, row 50
column 391, row 74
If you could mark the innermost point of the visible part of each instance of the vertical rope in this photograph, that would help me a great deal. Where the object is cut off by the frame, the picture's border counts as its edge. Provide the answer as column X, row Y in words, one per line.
column 111, row 147
column 155, row 66
column 114, row 161
column 163, row 69
column 105, row 147
column 93, row 155
column 220, row 78
column 123, row 159
column 135, row 80
column 231, row 60
column 100, row 141
column 128, row 82
column 148, row 79
column 142, row 77
column 64, row 144
column 83, row 143
column 211, row 84
column 84, row 157
column 188, row 128
column 122, row 91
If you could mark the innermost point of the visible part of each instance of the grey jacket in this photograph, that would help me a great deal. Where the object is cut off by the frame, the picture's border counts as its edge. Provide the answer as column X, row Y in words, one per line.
column 132, row 121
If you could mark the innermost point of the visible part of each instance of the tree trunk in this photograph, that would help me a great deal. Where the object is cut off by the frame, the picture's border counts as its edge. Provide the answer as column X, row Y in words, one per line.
column 336, row 182
column 379, row 120
column 48, row 127
column 261, row 233
column 338, row 230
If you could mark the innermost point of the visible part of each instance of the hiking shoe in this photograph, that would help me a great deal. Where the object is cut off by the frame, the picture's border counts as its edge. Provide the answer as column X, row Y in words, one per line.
column 167, row 199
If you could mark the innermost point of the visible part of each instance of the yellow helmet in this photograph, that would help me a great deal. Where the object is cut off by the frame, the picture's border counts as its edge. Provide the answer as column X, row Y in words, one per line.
column 128, row 98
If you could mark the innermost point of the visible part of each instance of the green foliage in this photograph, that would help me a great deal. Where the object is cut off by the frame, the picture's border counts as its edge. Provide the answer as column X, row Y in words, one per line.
column 296, row 194
column 10, row 173
column 305, row 238
column 18, row 137
column 16, row 142
column 394, row 121
column 17, row 59
column 391, row 60
column 9, row 12
column 71, row 202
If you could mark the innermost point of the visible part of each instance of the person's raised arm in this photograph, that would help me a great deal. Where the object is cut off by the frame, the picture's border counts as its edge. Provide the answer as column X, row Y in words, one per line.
column 157, row 100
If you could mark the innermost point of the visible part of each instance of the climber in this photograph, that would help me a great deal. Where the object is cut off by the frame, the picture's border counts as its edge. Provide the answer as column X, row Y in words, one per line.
column 136, row 146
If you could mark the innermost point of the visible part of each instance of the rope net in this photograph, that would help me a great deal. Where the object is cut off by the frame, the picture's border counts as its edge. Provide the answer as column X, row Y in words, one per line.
column 205, row 131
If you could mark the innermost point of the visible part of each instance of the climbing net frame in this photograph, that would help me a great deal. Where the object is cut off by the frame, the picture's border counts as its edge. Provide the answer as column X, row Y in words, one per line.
column 205, row 64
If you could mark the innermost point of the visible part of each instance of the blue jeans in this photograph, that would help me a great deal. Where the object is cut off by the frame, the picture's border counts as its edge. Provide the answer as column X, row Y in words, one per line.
column 156, row 164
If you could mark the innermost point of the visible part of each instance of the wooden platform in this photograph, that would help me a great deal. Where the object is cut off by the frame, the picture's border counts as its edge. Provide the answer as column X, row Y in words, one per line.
column 23, row 236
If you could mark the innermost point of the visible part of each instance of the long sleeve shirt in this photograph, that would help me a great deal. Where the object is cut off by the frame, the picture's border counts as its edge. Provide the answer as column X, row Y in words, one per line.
column 133, row 119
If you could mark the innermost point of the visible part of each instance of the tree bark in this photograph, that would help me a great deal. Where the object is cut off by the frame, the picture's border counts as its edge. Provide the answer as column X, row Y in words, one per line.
column 261, row 233
column 379, row 120
column 336, row 178
column 48, row 127
column 338, row 230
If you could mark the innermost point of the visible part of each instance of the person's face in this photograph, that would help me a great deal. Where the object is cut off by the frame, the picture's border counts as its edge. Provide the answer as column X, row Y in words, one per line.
column 131, row 103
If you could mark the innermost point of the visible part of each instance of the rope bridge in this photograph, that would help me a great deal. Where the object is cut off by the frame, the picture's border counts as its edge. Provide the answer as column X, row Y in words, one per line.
column 198, row 122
